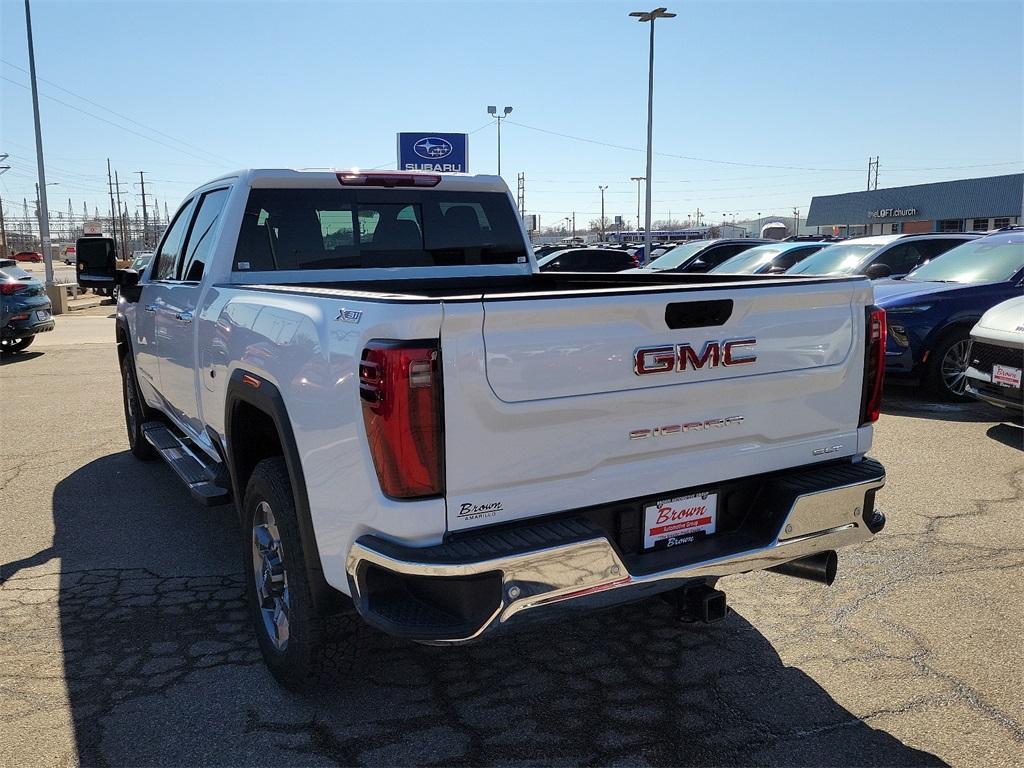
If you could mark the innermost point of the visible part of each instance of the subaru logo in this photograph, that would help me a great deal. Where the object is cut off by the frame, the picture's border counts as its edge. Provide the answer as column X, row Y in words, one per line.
column 432, row 148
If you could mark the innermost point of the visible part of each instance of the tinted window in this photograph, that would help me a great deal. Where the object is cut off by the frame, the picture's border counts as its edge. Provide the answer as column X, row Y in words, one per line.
column 346, row 228
column 842, row 258
column 900, row 258
column 932, row 248
column 170, row 249
column 794, row 256
column 200, row 239
column 715, row 256
column 678, row 255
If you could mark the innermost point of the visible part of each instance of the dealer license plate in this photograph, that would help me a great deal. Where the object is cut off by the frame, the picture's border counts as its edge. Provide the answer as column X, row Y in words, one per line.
column 678, row 521
column 42, row 314
column 1005, row 375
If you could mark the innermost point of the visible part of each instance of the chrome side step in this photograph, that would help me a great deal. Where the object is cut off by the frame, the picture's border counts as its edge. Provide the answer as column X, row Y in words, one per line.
column 198, row 473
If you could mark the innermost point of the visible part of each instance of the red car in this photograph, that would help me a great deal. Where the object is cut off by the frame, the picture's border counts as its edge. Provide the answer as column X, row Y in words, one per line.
column 28, row 256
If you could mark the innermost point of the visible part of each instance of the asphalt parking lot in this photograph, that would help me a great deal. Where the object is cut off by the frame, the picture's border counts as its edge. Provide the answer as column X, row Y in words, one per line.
column 124, row 640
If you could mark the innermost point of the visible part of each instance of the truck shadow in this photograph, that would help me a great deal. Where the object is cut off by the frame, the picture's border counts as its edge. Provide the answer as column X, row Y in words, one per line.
column 162, row 669
column 919, row 403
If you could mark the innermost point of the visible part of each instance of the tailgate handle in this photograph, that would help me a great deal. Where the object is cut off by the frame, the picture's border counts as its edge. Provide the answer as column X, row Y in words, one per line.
column 698, row 314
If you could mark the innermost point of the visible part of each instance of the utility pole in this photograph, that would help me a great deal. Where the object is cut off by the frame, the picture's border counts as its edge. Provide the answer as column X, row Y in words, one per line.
column 872, row 167
column 639, row 180
column 145, row 218
column 796, row 222
column 44, row 216
column 574, row 224
column 3, row 231
column 124, row 236
column 602, row 188
column 110, row 189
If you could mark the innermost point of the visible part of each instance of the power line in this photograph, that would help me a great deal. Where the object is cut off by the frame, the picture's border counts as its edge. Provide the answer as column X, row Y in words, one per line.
column 108, row 122
column 118, row 114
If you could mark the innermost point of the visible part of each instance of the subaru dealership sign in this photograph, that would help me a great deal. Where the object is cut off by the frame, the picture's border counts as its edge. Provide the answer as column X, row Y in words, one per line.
column 445, row 152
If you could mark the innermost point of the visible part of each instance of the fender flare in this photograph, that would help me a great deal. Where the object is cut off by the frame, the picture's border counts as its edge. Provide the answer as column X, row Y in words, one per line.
column 939, row 331
column 265, row 397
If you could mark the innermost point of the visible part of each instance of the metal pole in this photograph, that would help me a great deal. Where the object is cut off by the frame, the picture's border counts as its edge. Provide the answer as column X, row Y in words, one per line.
column 650, row 140
column 110, row 189
column 44, row 215
column 3, row 230
column 120, row 217
column 499, row 144
column 602, row 210
column 145, row 218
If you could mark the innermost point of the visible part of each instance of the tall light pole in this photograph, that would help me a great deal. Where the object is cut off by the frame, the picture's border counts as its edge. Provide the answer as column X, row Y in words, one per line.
column 639, row 180
column 649, row 17
column 44, row 213
column 493, row 112
column 602, row 209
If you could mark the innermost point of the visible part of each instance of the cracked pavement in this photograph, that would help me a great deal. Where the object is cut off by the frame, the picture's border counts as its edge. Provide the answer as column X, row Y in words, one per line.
column 125, row 641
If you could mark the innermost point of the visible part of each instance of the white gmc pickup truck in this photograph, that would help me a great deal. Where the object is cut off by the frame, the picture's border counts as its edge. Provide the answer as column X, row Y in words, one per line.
column 417, row 425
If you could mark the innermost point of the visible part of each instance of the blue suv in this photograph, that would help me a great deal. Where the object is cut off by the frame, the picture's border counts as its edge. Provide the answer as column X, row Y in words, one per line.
column 931, row 311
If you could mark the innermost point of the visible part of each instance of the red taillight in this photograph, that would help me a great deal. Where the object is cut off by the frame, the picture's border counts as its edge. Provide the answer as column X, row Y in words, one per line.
column 400, row 386
column 355, row 179
column 8, row 289
column 874, row 365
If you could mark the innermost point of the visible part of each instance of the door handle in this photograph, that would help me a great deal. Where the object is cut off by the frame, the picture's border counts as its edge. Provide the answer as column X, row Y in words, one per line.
column 185, row 317
column 151, row 307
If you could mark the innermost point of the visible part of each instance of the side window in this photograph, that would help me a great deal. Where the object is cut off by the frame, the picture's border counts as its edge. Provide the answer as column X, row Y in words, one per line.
column 200, row 239
column 715, row 256
column 932, row 248
column 170, row 249
column 900, row 258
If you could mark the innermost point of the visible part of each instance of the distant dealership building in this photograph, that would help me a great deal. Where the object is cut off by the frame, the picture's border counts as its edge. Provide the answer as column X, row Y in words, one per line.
column 966, row 205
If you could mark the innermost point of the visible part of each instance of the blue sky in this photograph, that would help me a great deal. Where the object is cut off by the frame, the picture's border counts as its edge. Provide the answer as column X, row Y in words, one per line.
column 778, row 100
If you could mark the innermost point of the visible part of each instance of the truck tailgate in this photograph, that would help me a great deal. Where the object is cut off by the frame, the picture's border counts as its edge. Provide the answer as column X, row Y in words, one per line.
column 561, row 402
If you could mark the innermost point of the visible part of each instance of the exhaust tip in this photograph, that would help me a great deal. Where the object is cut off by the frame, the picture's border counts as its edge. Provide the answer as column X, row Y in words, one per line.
column 821, row 568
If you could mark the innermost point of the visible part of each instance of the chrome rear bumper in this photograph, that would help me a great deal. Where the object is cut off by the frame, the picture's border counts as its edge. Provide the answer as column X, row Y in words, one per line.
column 459, row 591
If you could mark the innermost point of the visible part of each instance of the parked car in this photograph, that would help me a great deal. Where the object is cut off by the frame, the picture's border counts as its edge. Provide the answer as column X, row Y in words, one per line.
column 768, row 259
column 880, row 256
column 587, row 260
column 702, row 255
column 442, row 449
column 24, row 309
column 931, row 311
column 140, row 260
column 32, row 256
column 995, row 356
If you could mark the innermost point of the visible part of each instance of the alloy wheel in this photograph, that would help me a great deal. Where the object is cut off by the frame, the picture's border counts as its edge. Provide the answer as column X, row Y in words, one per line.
column 954, row 367
column 270, row 576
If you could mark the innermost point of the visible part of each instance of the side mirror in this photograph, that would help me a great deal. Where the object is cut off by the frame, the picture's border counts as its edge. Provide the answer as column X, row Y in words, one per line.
column 126, row 278
column 876, row 271
column 777, row 269
column 698, row 266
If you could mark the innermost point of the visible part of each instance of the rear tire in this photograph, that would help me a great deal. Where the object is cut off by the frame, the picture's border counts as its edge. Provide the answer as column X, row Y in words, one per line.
column 946, row 374
column 134, row 411
column 290, row 630
column 11, row 346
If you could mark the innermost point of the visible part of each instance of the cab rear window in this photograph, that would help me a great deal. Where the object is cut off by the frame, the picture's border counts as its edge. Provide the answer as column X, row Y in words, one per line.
column 365, row 228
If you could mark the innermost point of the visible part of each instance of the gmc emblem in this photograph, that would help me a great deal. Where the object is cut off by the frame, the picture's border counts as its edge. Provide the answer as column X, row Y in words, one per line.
column 679, row 357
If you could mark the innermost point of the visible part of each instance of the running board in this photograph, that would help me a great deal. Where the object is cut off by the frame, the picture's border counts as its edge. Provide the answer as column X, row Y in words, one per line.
column 200, row 475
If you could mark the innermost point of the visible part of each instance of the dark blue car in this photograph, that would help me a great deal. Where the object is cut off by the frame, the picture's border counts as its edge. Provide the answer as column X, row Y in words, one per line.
column 931, row 311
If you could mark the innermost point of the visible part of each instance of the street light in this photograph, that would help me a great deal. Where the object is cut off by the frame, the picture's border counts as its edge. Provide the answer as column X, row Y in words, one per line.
column 602, row 209
column 645, row 17
column 493, row 112
column 639, row 180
